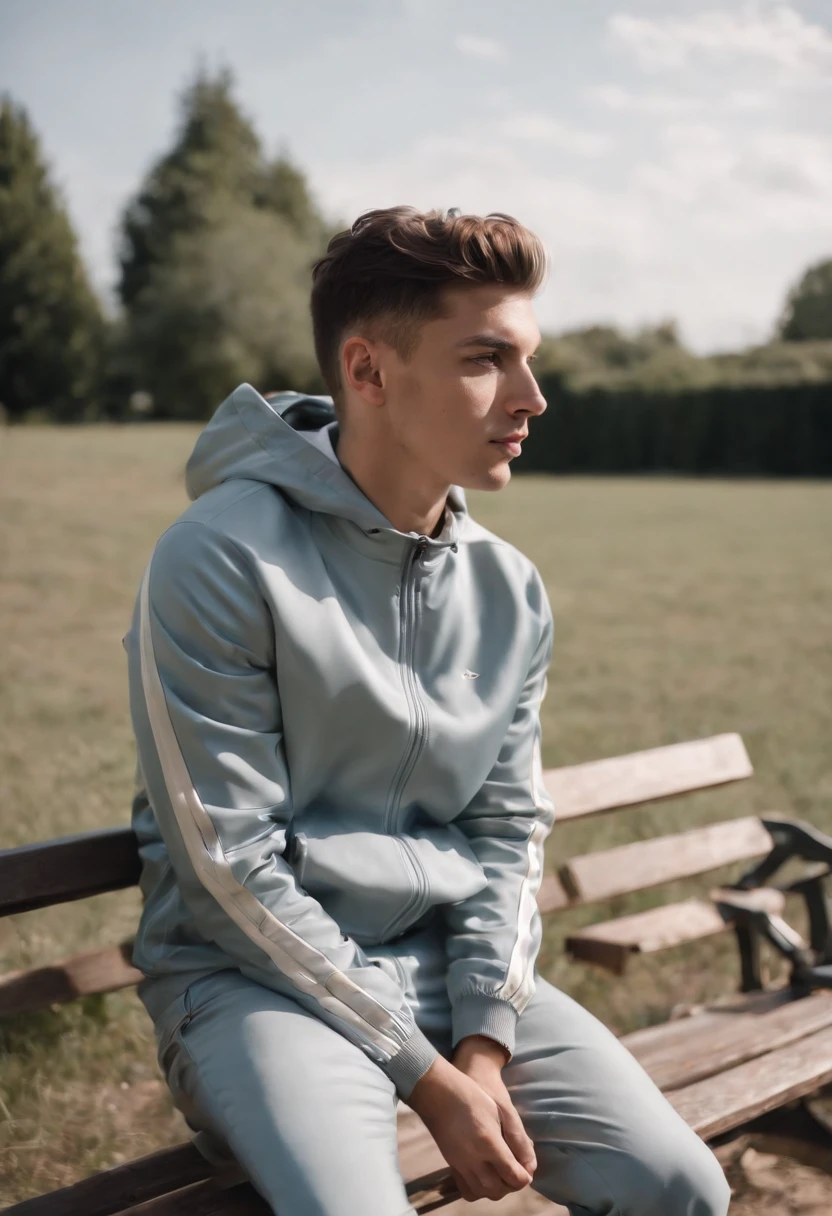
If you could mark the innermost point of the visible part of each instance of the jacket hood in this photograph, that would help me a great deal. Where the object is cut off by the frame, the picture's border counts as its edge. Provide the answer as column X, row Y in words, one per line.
column 249, row 437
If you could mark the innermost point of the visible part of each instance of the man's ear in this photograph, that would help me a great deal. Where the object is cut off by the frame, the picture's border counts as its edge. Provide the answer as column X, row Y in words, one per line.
column 360, row 369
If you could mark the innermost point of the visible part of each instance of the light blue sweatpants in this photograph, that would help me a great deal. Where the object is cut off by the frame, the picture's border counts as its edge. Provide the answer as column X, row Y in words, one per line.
column 312, row 1120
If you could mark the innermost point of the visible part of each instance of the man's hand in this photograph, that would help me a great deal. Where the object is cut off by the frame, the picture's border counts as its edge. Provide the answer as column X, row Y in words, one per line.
column 474, row 1130
column 483, row 1059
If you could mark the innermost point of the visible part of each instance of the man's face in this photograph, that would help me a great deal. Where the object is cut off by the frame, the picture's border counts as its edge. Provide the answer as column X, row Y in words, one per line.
column 467, row 386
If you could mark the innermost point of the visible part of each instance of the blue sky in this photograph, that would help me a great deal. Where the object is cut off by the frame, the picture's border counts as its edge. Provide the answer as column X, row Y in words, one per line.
column 675, row 157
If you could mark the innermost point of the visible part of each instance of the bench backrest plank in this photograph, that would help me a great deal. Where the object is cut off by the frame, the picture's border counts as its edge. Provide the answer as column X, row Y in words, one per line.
column 647, row 776
column 650, row 863
column 612, row 943
column 54, row 871
column 94, row 971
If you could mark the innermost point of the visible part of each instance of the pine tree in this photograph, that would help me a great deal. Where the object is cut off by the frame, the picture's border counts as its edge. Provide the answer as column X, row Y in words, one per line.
column 216, row 160
column 229, row 305
column 51, row 326
column 217, row 251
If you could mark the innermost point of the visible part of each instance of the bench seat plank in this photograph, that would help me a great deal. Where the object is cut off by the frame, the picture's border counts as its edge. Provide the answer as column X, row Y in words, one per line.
column 682, row 1057
column 647, row 776
column 729, row 1099
column 650, row 863
column 612, row 943
column 95, row 971
column 678, row 1053
column 113, row 1190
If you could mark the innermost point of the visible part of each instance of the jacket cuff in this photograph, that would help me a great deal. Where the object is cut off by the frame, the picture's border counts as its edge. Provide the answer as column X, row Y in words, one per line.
column 478, row 1013
column 411, row 1062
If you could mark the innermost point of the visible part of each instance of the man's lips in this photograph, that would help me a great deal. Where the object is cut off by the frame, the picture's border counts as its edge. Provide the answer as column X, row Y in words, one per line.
column 512, row 442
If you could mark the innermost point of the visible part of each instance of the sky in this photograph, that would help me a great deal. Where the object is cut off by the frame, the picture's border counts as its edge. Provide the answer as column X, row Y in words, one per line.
column 676, row 158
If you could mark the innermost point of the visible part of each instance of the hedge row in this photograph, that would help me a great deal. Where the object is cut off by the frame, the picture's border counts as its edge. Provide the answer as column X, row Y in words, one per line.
column 783, row 431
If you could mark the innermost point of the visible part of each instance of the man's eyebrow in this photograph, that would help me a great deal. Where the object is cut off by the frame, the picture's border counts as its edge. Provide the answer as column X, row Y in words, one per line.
column 494, row 341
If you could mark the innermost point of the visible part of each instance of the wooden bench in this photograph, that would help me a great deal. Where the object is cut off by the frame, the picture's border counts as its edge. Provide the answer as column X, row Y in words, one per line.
column 744, row 1067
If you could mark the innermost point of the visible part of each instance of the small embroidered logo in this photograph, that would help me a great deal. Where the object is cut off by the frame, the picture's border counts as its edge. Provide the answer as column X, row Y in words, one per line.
column 470, row 675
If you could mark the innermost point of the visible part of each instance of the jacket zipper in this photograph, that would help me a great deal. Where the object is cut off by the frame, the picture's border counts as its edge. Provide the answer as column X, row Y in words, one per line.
column 418, row 732
column 418, row 901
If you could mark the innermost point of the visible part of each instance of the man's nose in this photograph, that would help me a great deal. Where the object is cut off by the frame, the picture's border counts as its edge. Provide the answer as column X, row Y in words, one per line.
column 529, row 397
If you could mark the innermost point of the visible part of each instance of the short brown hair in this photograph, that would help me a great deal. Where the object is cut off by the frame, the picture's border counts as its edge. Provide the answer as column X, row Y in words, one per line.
column 393, row 264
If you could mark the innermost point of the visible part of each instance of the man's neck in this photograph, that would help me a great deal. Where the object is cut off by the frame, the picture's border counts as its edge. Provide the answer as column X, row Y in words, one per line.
column 407, row 496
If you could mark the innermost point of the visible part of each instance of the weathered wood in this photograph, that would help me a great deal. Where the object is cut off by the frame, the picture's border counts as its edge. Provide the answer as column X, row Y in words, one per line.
column 552, row 895
column 647, row 776
column 95, row 971
column 114, row 1190
column 650, row 863
column 742, row 1033
column 612, row 943
column 728, row 1099
column 205, row 1199
column 73, row 867
column 676, row 1054
column 590, row 878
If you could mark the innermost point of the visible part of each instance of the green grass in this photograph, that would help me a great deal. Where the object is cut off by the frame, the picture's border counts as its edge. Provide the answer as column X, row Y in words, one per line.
column 683, row 608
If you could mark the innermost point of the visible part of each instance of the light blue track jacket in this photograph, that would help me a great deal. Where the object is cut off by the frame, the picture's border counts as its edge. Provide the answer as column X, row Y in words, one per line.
column 338, row 741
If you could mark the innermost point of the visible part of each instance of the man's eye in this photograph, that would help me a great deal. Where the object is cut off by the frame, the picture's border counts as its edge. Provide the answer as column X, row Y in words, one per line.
column 492, row 358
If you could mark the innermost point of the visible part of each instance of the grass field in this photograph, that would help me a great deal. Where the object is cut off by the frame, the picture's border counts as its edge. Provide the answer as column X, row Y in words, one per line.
column 683, row 608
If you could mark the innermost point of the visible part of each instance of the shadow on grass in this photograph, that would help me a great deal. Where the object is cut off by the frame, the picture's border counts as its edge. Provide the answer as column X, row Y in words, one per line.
column 27, row 1035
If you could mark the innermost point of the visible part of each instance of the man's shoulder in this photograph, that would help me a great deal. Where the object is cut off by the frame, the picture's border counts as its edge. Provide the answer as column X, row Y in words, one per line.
column 241, row 509
column 239, row 519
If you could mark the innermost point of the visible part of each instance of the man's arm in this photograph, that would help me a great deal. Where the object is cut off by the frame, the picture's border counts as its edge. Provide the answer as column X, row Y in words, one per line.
column 494, row 935
column 208, row 723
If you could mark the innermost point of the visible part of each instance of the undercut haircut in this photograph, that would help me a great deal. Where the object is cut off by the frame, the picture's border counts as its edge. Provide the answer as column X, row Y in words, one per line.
column 390, row 269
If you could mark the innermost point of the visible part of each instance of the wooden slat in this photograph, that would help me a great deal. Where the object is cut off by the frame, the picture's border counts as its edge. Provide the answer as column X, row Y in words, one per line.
column 552, row 894
column 676, row 1054
column 612, row 943
column 113, row 1190
column 731, row 1098
column 649, row 863
column 54, row 871
column 95, row 971
column 660, row 772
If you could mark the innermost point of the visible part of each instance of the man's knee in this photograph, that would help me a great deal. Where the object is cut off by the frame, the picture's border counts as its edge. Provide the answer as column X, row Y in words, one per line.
column 677, row 1178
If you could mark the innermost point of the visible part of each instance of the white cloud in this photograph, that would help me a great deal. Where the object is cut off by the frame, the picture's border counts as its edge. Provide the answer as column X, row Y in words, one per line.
column 710, row 228
column 534, row 127
column 623, row 101
column 779, row 36
column 479, row 48
column 673, row 105
column 745, row 188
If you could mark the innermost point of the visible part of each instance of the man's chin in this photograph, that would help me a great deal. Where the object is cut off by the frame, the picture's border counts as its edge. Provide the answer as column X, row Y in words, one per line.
column 493, row 478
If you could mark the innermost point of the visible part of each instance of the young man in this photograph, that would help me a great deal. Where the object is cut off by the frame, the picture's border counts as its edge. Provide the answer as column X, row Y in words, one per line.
column 335, row 681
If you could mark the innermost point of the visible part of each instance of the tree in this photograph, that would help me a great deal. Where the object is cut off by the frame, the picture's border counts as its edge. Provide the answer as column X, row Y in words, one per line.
column 51, row 325
column 230, row 303
column 808, row 311
column 216, row 160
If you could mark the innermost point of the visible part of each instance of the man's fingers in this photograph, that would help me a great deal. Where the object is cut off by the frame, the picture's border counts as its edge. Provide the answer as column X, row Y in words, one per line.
column 508, row 1167
column 464, row 1188
column 491, row 1184
column 517, row 1139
